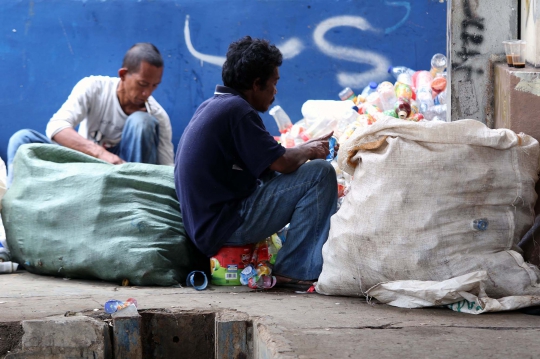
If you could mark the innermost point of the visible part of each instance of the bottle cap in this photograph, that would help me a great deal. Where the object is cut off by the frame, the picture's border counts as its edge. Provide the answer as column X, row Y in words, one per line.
column 373, row 85
column 390, row 69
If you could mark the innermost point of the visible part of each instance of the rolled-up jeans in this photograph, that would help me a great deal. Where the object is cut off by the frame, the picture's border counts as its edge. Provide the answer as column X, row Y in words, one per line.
column 306, row 199
column 140, row 138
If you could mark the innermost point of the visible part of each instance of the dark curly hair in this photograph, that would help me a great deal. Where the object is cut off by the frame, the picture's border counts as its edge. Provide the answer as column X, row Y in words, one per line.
column 248, row 59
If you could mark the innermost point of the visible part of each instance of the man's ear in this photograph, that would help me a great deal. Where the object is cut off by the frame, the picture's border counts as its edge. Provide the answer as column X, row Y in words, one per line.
column 122, row 73
column 257, row 85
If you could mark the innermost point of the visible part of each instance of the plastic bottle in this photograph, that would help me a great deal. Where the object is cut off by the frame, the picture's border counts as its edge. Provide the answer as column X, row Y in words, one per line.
column 403, row 108
column 438, row 84
column 262, row 282
column 424, row 95
column 403, row 90
column 391, row 113
column 396, row 70
column 114, row 305
column 374, row 99
column 387, row 95
column 347, row 94
column 436, row 111
column 282, row 119
column 8, row 267
column 4, row 253
column 331, row 144
column 440, row 99
column 438, row 64
column 372, row 87
column 405, row 78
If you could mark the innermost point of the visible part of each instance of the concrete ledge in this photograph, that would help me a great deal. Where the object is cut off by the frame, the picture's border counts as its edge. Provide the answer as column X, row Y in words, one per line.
column 64, row 337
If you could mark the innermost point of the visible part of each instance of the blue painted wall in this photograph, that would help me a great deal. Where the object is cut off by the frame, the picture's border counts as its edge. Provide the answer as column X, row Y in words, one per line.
column 46, row 46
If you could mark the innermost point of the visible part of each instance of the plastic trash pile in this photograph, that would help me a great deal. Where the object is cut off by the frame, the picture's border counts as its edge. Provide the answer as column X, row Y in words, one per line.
column 414, row 96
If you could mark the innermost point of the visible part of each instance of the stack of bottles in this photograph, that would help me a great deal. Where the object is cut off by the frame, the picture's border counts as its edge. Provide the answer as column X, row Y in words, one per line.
column 413, row 96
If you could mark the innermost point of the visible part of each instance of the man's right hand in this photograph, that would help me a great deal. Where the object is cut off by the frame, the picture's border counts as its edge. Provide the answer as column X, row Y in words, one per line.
column 318, row 146
column 293, row 158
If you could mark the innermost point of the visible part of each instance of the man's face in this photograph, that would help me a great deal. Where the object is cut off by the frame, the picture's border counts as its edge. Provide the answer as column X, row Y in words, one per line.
column 140, row 85
column 264, row 94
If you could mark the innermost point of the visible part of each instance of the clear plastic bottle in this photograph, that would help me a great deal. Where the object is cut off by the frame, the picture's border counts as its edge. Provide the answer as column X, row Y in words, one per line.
column 372, row 87
column 282, row 119
column 405, row 78
column 437, row 111
column 440, row 99
column 374, row 99
column 438, row 64
column 387, row 95
column 396, row 70
column 424, row 95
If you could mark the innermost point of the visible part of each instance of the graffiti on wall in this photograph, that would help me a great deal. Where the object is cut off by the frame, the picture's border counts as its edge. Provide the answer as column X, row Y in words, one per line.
column 294, row 46
column 472, row 28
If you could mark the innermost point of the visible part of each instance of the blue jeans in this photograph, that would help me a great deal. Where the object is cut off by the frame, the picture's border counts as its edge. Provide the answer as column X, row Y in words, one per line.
column 140, row 138
column 306, row 199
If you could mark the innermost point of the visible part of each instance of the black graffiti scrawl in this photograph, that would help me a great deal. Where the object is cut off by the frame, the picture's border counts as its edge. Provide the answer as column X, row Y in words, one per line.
column 472, row 28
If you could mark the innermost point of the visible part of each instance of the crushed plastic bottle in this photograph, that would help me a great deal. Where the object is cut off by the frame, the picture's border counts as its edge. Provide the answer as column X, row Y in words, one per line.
column 436, row 111
column 262, row 282
column 331, row 144
column 119, row 308
column 397, row 70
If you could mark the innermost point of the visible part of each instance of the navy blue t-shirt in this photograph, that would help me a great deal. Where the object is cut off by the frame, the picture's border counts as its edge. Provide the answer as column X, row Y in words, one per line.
column 223, row 151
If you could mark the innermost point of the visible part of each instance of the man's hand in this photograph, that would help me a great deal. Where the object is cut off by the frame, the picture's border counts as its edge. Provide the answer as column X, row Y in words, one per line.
column 109, row 157
column 68, row 137
column 293, row 158
column 318, row 147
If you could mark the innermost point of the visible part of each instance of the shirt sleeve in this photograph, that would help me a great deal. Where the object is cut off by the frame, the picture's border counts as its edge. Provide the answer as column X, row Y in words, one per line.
column 165, row 146
column 74, row 110
column 255, row 146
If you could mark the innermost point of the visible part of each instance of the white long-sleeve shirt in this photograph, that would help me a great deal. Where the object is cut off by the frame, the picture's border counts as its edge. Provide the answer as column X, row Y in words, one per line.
column 94, row 105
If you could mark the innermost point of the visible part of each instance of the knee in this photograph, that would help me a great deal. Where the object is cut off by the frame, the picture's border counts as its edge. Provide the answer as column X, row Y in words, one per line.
column 142, row 122
column 21, row 137
column 324, row 170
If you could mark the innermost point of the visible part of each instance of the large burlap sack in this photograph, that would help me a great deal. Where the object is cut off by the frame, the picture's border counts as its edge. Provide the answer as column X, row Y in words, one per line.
column 68, row 214
column 433, row 201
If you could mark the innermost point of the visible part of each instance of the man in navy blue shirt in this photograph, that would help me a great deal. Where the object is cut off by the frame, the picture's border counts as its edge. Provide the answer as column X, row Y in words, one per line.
column 237, row 185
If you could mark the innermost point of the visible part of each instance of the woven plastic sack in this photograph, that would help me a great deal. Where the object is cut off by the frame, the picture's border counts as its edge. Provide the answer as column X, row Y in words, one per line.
column 433, row 201
column 71, row 215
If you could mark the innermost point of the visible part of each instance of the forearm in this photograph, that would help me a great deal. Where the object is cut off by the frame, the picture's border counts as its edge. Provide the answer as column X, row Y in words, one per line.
column 68, row 137
column 292, row 159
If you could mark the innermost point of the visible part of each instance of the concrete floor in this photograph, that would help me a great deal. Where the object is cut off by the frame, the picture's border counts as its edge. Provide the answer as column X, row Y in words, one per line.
column 303, row 325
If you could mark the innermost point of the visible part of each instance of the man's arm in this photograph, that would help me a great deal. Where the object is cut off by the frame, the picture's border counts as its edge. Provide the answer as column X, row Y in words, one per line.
column 297, row 156
column 68, row 137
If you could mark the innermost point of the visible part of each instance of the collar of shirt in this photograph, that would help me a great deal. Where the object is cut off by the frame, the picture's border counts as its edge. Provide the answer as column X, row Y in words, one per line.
column 222, row 90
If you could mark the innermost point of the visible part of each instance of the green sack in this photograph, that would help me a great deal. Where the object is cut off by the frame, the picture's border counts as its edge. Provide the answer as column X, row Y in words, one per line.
column 71, row 215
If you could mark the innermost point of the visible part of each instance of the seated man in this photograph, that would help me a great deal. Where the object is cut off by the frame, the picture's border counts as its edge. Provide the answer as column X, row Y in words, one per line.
column 119, row 119
column 226, row 164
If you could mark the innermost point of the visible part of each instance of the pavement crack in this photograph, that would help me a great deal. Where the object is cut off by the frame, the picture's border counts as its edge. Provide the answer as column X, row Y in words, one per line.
column 490, row 328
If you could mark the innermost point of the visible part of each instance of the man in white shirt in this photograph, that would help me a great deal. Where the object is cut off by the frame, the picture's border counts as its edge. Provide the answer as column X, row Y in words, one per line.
column 119, row 121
